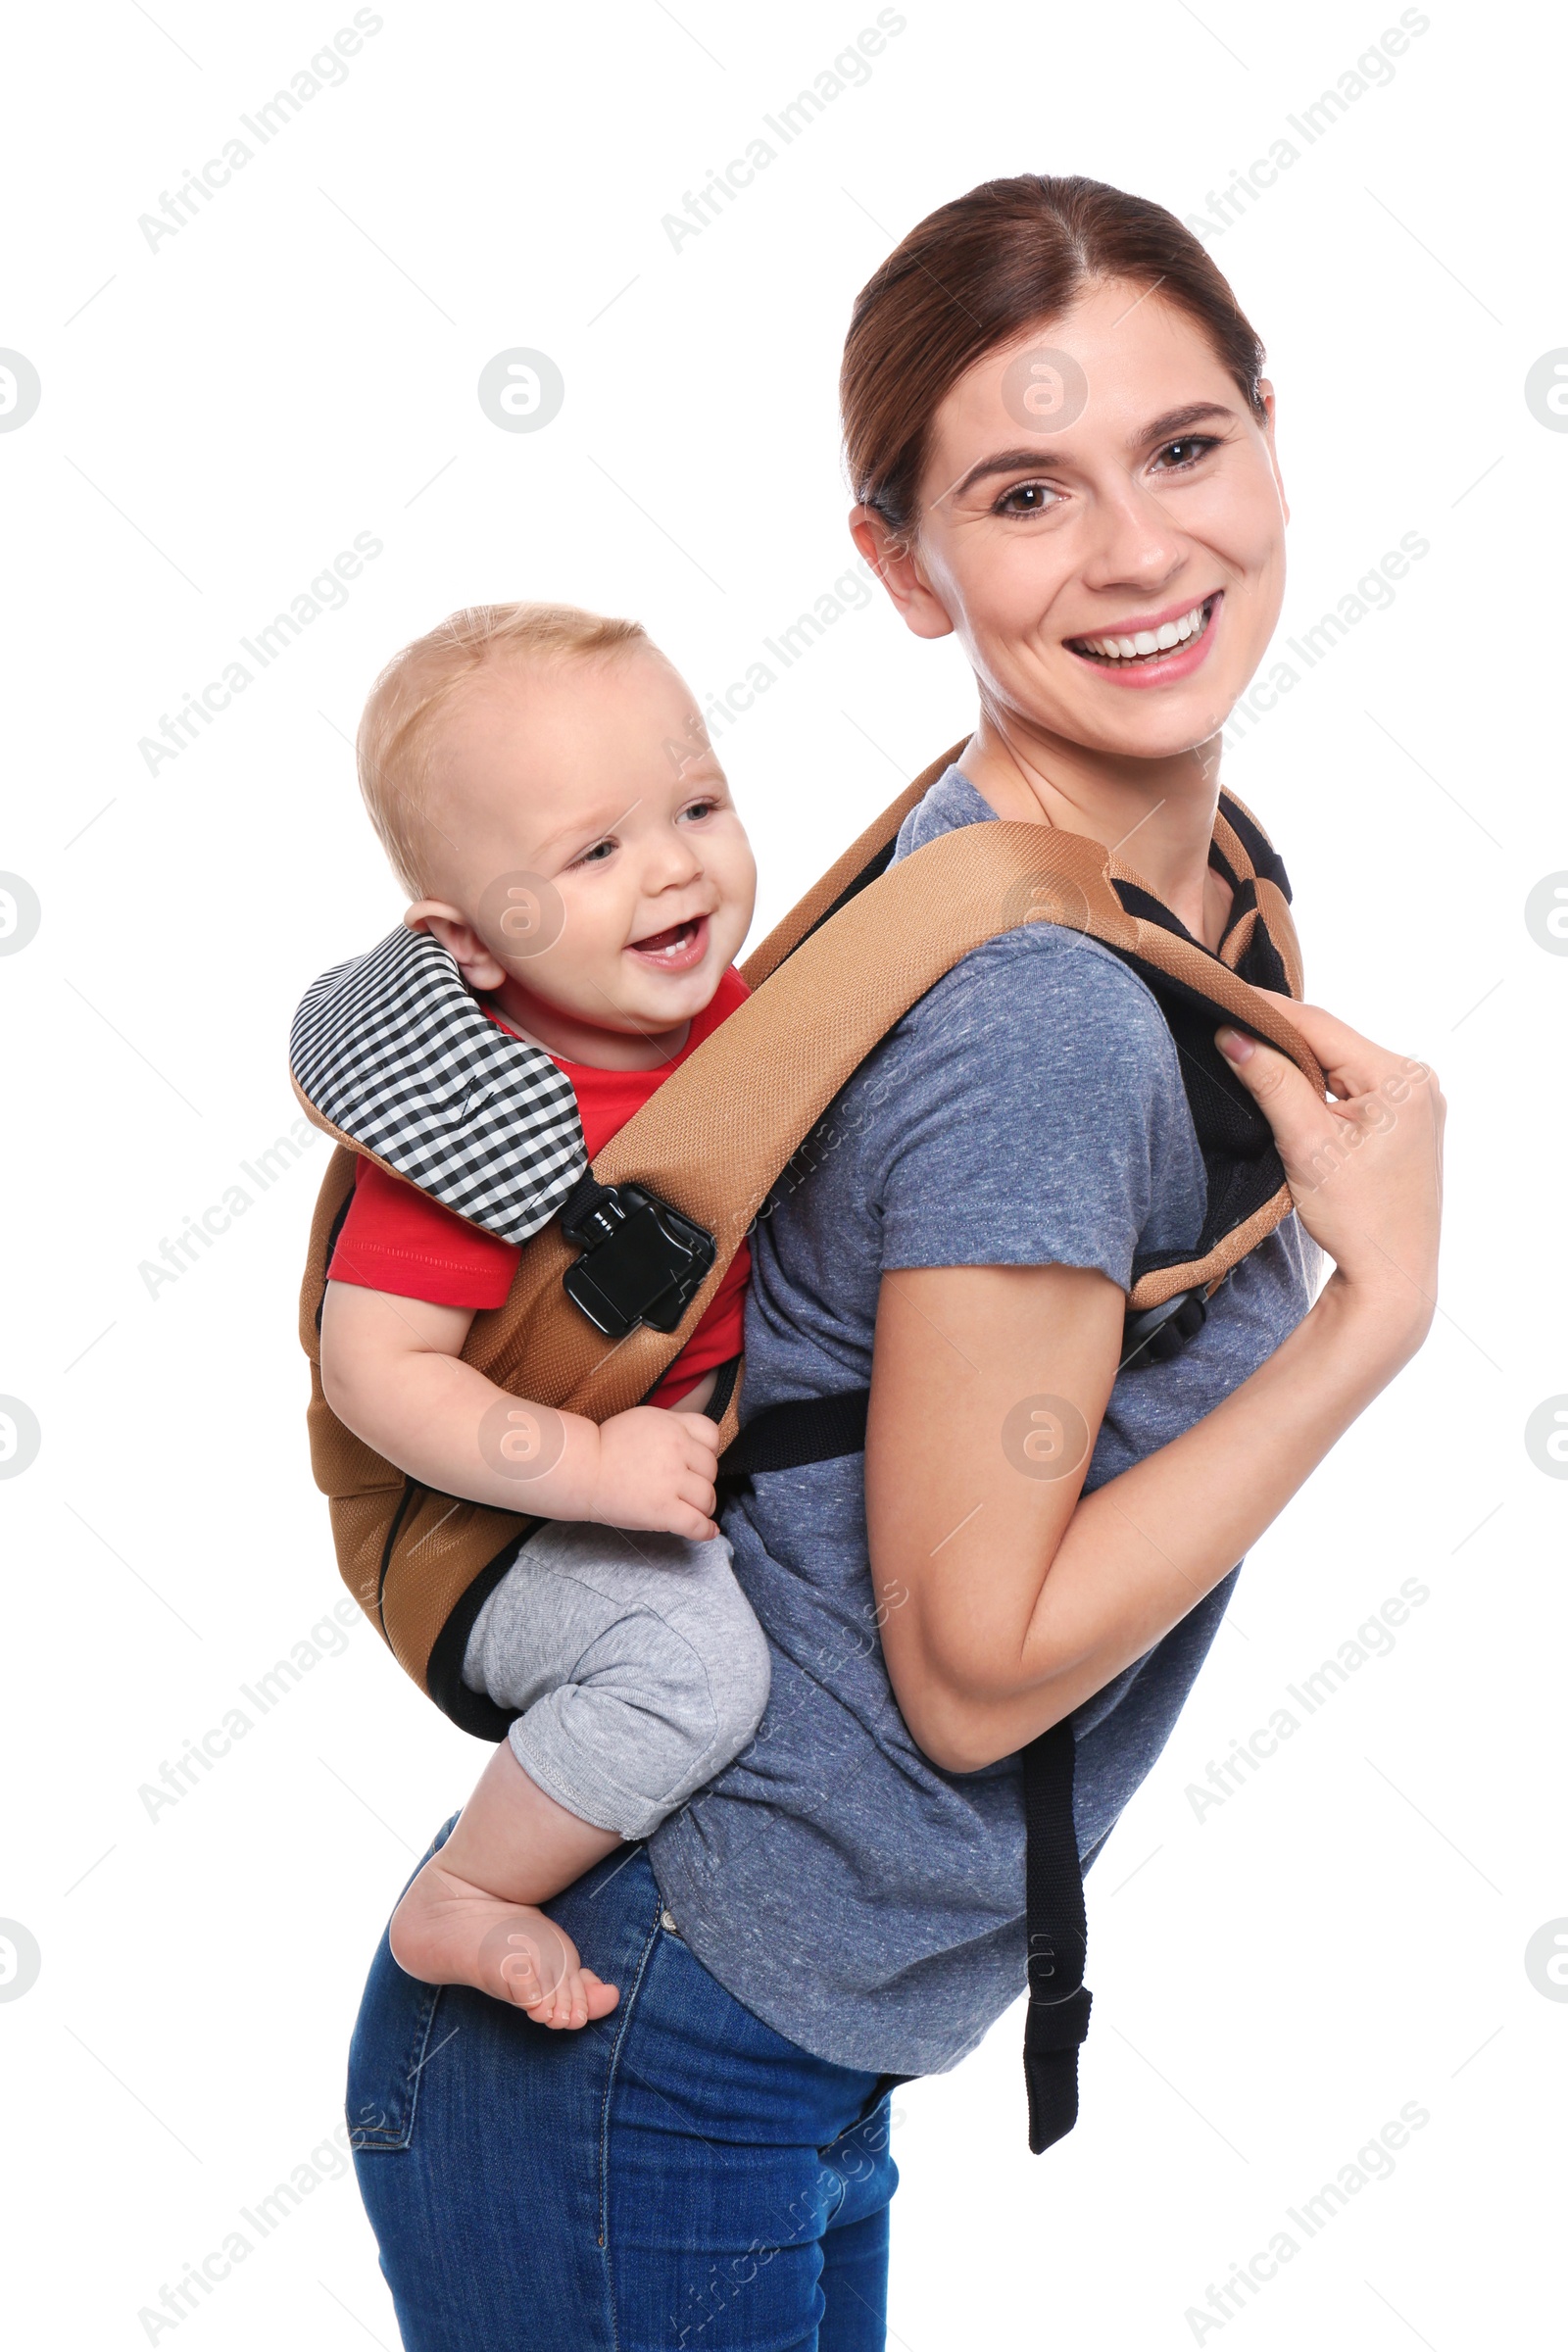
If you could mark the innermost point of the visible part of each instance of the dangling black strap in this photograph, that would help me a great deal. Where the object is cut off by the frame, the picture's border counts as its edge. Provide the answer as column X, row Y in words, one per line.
column 1058, row 2018
column 820, row 1429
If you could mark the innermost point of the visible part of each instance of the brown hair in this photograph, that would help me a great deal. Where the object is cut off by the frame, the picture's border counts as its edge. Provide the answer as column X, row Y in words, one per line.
column 973, row 275
column 393, row 746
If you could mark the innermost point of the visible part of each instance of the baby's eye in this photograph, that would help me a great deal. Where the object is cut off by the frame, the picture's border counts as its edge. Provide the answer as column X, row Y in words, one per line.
column 1026, row 498
column 597, row 855
column 700, row 808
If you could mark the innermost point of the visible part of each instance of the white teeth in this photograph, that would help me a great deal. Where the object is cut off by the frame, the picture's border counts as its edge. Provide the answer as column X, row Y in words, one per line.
column 1148, row 641
column 674, row 947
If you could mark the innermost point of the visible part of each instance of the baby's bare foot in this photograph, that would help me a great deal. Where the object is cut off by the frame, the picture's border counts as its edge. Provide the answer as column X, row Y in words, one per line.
column 524, row 1958
column 447, row 1931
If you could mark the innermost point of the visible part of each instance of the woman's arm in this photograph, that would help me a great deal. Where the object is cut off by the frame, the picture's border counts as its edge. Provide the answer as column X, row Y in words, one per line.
column 1007, row 1597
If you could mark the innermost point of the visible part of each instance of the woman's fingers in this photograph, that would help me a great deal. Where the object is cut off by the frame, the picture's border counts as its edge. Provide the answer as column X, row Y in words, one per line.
column 1350, row 1062
column 1298, row 1116
column 1365, row 1171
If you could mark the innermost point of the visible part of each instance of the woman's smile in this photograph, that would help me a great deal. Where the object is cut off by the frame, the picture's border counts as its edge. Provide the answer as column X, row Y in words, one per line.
column 1154, row 649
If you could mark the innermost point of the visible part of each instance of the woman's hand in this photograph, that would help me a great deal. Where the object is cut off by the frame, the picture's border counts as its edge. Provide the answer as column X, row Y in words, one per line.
column 1365, row 1170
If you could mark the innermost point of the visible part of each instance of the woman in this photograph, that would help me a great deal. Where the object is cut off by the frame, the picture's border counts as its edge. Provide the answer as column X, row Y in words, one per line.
column 1063, row 453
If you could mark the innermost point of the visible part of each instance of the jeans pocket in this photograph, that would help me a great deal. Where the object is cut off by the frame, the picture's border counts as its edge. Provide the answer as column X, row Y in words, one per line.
column 392, row 2038
column 387, row 2054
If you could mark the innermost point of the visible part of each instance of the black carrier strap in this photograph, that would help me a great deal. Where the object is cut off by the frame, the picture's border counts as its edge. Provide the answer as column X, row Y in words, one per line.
column 821, row 1429
column 1057, row 2019
column 809, row 1429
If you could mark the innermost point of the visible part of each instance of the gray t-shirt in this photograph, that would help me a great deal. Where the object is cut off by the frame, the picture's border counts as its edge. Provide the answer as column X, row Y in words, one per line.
column 1028, row 1110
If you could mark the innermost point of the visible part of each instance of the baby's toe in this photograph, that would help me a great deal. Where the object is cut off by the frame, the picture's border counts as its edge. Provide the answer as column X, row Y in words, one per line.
column 601, row 1997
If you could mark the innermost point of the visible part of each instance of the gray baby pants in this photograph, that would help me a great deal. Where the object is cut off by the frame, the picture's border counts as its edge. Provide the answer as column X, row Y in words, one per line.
column 636, row 1658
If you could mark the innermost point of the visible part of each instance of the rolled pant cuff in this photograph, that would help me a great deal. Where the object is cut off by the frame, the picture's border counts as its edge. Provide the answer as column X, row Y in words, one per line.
column 591, row 1795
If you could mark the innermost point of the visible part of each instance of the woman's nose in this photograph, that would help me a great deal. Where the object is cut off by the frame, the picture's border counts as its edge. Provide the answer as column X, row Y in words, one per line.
column 1134, row 540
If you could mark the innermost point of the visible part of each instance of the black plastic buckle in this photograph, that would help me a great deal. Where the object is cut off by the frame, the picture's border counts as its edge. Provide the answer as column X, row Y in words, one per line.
column 1162, row 1332
column 642, row 1261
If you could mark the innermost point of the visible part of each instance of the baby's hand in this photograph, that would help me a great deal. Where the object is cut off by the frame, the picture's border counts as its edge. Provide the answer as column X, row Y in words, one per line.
column 655, row 1471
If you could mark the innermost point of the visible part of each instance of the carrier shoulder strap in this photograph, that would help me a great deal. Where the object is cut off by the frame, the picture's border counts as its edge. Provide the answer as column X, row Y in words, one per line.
column 717, row 1133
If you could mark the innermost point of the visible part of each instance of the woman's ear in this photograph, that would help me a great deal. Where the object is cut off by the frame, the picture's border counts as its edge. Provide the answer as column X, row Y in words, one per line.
column 451, row 928
column 893, row 559
column 1266, row 391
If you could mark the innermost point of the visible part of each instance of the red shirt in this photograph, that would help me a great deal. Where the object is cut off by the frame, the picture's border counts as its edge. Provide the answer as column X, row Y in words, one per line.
column 396, row 1238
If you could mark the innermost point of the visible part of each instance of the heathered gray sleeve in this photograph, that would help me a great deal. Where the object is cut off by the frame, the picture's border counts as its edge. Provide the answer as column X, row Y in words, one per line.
column 1040, row 1116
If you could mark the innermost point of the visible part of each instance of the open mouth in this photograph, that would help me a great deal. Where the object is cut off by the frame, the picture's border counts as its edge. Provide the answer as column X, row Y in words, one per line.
column 1148, row 647
column 675, row 949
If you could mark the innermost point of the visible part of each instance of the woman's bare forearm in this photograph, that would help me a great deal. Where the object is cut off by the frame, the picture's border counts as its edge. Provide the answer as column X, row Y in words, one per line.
column 1143, row 1550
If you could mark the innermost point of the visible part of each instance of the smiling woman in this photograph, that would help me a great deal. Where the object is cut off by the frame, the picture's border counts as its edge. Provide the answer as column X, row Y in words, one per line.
column 1115, row 570
column 1062, row 452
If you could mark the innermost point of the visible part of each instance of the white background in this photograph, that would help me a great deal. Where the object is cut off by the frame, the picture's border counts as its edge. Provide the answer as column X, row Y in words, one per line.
column 220, row 415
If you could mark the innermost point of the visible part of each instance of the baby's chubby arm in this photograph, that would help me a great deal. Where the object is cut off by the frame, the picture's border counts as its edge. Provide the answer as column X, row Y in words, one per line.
column 391, row 1372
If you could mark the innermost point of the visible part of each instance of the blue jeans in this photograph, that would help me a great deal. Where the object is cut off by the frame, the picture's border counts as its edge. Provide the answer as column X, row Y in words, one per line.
column 677, row 2178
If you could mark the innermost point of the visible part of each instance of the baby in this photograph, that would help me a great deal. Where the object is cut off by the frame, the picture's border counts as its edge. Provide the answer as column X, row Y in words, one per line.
column 542, row 741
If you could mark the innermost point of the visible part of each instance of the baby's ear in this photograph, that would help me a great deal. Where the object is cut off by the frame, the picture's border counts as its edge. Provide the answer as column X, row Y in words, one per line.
column 451, row 927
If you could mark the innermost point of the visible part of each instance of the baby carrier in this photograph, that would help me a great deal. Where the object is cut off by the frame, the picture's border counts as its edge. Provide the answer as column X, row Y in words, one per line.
column 392, row 1057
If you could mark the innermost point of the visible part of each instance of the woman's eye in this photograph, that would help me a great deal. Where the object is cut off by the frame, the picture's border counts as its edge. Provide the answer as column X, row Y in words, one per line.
column 1026, row 498
column 1187, row 451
